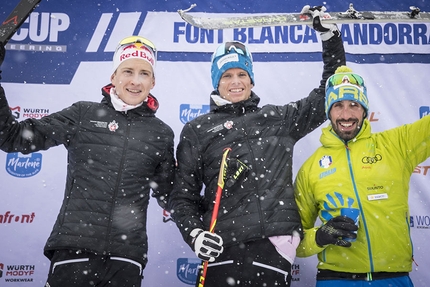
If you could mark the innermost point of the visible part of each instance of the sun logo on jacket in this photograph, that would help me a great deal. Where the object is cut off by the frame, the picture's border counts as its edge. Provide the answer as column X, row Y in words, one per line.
column 334, row 203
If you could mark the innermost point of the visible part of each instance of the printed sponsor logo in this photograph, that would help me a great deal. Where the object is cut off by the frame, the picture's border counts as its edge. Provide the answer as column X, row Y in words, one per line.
column 371, row 159
column 420, row 221
column 335, row 201
column 422, row 169
column 40, row 27
column 25, row 113
column 20, row 165
column 325, row 161
column 295, row 272
column 52, row 32
column 373, row 117
column 375, row 187
column 166, row 216
column 187, row 270
column 357, row 34
column 381, row 196
column 113, row 126
column 17, row 273
column 188, row 112
column 424, row 111
column 9, row 217
column 327, row 173
column 229, row 125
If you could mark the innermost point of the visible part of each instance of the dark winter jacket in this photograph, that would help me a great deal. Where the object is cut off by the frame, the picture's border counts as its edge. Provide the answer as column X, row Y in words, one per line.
column 114, row 159
column 263, row 138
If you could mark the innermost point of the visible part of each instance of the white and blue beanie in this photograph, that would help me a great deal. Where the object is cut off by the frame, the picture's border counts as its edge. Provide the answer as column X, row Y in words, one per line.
column 228, row 56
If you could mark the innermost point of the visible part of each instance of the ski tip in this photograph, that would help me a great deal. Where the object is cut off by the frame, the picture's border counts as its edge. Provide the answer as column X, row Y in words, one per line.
column 181, row 12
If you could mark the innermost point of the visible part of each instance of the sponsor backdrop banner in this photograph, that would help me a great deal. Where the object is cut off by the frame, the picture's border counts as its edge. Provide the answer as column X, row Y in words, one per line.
column 62, row 54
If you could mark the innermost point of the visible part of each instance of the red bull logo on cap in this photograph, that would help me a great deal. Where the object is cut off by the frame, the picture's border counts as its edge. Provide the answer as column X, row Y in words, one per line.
column 133, row 51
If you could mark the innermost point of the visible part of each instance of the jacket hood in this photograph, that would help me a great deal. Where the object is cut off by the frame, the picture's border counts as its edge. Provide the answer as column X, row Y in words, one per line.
column 329, row 138
column 237, row 108
column 151, row 104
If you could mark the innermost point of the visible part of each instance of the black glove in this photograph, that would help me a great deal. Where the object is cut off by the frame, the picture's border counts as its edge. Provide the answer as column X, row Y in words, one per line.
column 326, row 30
column 236, row 172
column 206, row 245
column 334, row 230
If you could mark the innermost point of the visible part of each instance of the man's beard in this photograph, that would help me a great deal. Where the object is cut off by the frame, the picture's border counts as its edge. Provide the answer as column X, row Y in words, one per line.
column 346, row 135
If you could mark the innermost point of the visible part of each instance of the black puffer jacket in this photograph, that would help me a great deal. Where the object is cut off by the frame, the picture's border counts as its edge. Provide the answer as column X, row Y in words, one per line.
column 263, row 138
column 114, row 158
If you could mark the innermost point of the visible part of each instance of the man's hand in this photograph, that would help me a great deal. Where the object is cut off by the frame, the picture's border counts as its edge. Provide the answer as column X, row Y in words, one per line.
column 206, row 245
column 334, row 230
column 326, row 30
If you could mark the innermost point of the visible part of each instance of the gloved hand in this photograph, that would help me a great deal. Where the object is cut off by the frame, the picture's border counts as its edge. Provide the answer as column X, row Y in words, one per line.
column 334, row 230
column 326, row 30
column 206, row 245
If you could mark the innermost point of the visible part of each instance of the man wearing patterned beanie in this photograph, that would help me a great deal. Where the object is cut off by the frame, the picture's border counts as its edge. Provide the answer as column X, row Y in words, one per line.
column 118, row 150
column 372, row 247
column 258, row 226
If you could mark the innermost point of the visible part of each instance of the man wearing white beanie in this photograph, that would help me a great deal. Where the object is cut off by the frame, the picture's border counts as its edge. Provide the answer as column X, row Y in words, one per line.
column 118, row 150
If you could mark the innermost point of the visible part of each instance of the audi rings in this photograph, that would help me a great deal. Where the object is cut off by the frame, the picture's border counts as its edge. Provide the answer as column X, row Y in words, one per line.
column 371, row 160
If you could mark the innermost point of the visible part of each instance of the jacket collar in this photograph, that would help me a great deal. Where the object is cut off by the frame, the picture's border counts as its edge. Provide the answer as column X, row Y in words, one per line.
column 250, row 104
column 149, row 107
column 329, row 138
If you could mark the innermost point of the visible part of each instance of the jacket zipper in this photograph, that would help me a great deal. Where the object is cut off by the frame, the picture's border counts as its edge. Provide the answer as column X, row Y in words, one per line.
column 124, row 151
column 363, row 217
column 255, row 166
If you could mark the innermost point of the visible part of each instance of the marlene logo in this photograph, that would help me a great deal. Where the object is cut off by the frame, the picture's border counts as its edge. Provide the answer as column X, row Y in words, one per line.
column 20, row 165
column 187, row 270
column 189, row 112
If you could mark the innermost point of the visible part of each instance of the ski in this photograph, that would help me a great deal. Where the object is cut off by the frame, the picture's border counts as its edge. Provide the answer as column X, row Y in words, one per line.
column 290, row 19
column 15, row 19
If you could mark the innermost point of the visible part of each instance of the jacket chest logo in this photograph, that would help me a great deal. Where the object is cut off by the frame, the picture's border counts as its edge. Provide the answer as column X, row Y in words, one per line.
column 325, row 161
column 113, row 126
column 227, row 125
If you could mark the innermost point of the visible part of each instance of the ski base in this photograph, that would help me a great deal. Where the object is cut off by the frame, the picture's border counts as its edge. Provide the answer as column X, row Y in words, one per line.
column 16, row 18
column 291, row 19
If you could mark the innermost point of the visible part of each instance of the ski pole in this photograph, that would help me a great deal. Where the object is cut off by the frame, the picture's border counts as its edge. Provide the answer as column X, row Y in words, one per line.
column 221, row 178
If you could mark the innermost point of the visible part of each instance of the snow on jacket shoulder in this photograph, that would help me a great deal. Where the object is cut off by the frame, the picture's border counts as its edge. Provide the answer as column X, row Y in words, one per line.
column 372, row 173
column 114, row 159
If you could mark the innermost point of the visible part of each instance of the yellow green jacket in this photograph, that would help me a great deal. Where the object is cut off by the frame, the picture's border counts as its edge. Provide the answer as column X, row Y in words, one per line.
column 372, row 173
